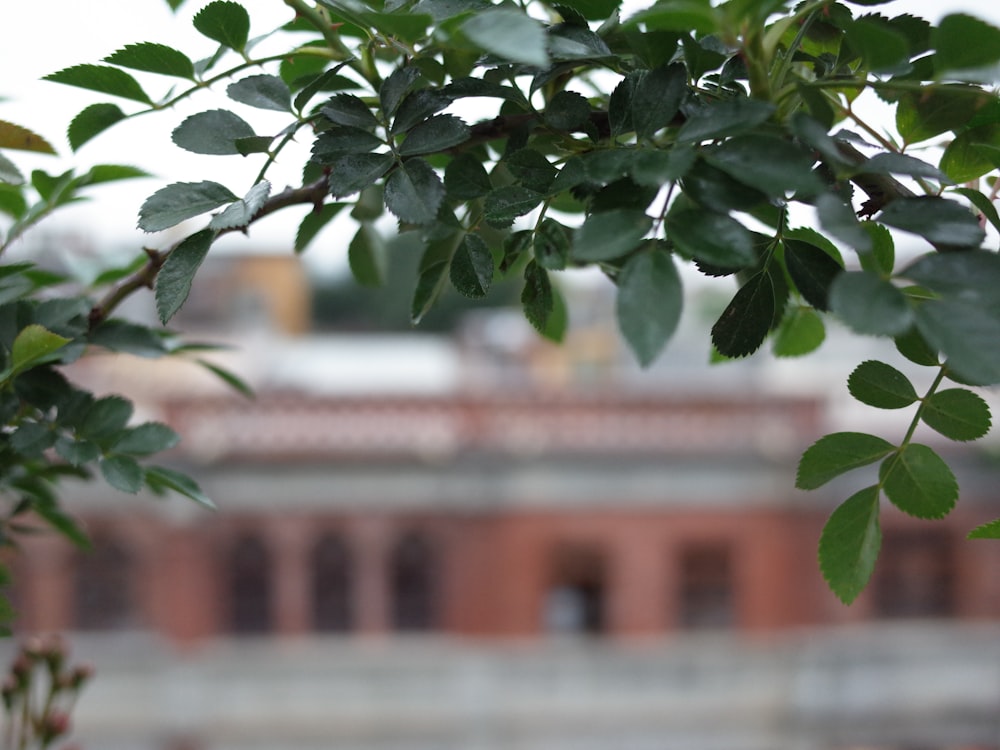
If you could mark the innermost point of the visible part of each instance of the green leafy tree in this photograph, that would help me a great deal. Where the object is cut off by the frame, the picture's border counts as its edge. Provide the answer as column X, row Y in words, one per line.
column 686, row 133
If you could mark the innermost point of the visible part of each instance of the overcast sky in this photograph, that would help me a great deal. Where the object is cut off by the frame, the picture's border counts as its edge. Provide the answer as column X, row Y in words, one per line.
column 39, row 38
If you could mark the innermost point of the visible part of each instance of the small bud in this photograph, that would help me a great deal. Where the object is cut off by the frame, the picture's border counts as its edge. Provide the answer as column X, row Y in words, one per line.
column 20, row 670
column 56, row 724
column 81, row 674
column 9, row 690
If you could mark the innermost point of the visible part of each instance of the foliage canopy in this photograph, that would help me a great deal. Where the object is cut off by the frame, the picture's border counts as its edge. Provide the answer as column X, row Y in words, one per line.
column 686, row 133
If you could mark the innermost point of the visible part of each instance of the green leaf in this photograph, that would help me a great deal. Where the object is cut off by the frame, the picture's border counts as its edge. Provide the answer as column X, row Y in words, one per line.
column 812, row 270
column 678, row 15
column 725, row 117
column 106, row 417
column 123, row 336
column 347, row 109
column 912, row 345
column 883, row 48
column 937, row 220
column 800, row 332
column 918, row 482
column 969, row 156
column 352, row 173
column 241, row 213
column 656, row 97
column 34, row 345
column 966, row 334
column 971, row 276
column 21, row 139
column 414, row 192
column 849, row 544
column 145, row 439
column 880, row 385
column 772, row 165
column 982, row 204
column 567, row 110
column 416, row 107
column 214, row 132
column 434, row 134
column 550, row 245
column 989, row 530
column 537, row 298
column 101, row 78
column 648, row 303
column 504, row 204
column 233, row 381
column 838, row 218
column 870, row 304
column 313, row 223
column 937, row 109
column 261, row 91
column 745, row 322
column 880, row 258
column 958, row 414
column 466, row 179
column 836, row 454
column 77, row 452
column 711, row 237
column 889, row 163
column 397, row 85
column 10, row 175
column 472, row 267
column 159, row 478
column 716, row 190
column 509, row 34
column 32, row 439
column 61, row 521
column 966, row 47
column 366, row 256
column 433, row 274
column 610, row 234
column 153, row 58
column 175, row 203
column 173, row 283
column 226, row 22
column 531, row 169
column 91, row 121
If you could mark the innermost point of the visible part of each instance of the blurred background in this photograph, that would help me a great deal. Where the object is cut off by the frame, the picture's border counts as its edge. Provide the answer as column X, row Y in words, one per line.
column 464, row 537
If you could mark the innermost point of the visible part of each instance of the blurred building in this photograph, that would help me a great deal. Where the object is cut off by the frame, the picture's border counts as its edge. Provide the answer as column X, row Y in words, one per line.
column 484, row 542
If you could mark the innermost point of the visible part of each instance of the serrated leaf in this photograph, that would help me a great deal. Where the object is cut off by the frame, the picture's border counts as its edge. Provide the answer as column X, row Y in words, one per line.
column 509, row 34
column 745, row 322
column 434, row 134
column 21, row 139
column 958, row 414
column 972, row 153
column 839, row 219
column 106, row 417
column 123, row 336
column 342, row 139
column 567, row 110
column 989, row 530
column 982, row 204
column 102, row 78
column 466, row 179
column 241, row 213
column 648, row 303
column 145, row 439
column 918, row 482
column 889, row 163
column 175, row 203
column 429, row 284
column 101, row 173
column 880, row 385
column 883, row 48
column 226, row 22
column 261, row 91
column 537, row 298
column 32, row 439
column 711, row 237
column 471, row 270
column 849, row 544
column 504, row 204
column 656, row 97
column 160, row 478
column 725, row 118
column 772, row 165
column 214, row 132
column 870, row 304
column 836, row 454
column 366, row 256
column 347, row 109
column 966, row 334
column 77, row 452
column 10, row 175
column 973, row 276
column 173, row 283
column 91, row 121
column 531, row 169
column 414, row 192
column 937, row 220
column 812, row 270
column 937, row 109
column 153, row 58
column 229, row 378
column 352, row 173
column 417, row 106
column 800, row 332
column 33, row 345
column 678, row 15
column 966, row 47
column 313, row 223
column 550, row 245
column 610, row 234
column 397, row 85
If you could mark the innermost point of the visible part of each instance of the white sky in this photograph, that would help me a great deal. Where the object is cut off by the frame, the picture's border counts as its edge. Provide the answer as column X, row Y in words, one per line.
column 40, row 38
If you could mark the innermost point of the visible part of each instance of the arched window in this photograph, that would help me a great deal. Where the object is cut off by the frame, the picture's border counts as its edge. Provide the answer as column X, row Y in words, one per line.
column 412, row 572
column 574, row 602
column 249, row 578
column 332, row 585
column 104, row 589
